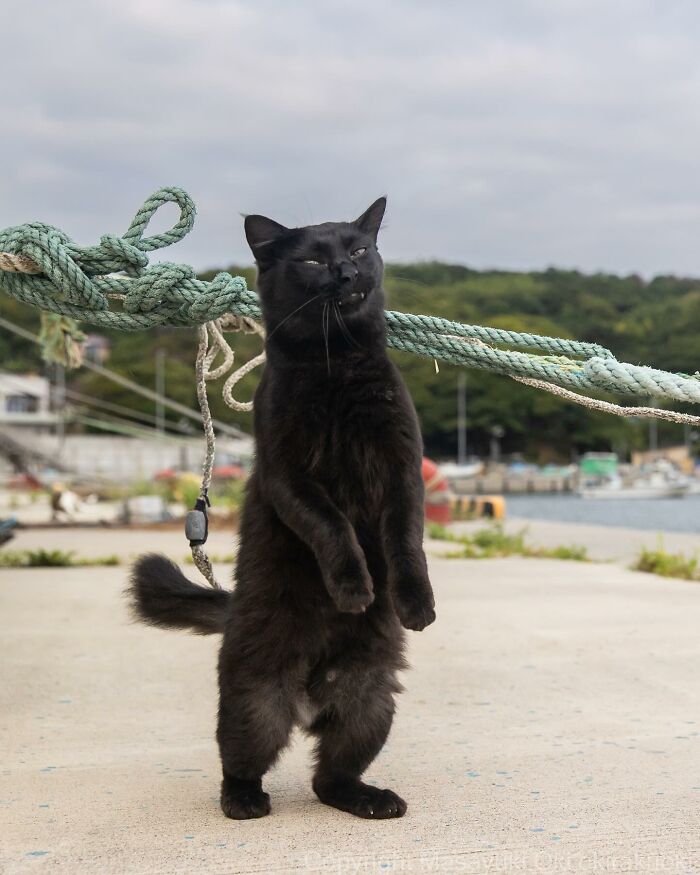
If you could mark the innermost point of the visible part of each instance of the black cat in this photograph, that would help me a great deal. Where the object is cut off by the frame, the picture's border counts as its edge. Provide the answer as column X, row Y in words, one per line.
column 331, row 563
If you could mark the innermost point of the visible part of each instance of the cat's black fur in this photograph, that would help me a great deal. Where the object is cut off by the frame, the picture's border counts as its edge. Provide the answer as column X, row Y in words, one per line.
column 330, row 564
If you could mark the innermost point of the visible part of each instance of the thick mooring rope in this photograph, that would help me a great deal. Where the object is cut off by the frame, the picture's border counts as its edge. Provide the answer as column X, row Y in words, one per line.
column 76, row 281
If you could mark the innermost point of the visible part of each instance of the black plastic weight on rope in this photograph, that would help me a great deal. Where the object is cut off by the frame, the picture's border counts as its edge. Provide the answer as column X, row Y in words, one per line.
column 197, row 523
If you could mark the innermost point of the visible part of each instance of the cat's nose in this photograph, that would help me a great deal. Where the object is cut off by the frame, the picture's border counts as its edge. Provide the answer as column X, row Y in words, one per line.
column 345, row 273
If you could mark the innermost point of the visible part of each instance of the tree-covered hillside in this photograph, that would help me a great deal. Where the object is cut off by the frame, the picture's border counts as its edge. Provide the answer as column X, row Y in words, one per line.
column 655, row 323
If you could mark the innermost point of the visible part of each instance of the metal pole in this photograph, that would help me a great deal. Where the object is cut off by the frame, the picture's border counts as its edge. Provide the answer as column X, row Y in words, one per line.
column 461, row 418
column 61, row 408
column 653, row 430
column 160, row 390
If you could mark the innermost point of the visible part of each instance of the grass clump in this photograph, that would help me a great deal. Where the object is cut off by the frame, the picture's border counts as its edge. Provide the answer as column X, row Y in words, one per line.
column 571, row 552
column 494, row 542
column 438, row 532
column 668, row 564
column 110, row 560
column 50, row 559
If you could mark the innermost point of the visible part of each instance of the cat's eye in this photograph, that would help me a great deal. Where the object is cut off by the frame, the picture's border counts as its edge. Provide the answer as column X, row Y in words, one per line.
column 358, row 252
column 311, row 261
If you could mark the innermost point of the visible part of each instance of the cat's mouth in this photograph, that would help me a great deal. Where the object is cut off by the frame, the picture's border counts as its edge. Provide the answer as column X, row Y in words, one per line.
column 353, row 298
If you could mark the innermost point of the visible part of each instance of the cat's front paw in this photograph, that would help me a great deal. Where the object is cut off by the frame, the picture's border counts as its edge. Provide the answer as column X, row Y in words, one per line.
column 415, row 607
column 352, row 597
column 350, row 585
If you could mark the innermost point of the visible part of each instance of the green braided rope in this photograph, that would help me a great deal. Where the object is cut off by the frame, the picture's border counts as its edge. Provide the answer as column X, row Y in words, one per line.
column 73, row 282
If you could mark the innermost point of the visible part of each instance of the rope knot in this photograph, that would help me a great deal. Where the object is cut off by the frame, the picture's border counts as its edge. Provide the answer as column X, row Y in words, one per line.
column 129, row 257
column 157, row 287
column 222, row 295
column 54, row 254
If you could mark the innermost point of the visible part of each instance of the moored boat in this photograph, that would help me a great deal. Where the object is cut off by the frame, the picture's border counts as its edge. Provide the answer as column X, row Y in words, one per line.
column 659, row 479
column 616, row 488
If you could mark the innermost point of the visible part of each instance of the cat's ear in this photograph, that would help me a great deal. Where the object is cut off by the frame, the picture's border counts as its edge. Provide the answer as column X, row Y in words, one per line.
column 371, row 219
column 261, row 233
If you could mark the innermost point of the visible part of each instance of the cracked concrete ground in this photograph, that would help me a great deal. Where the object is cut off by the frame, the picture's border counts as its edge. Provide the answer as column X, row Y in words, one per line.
column 550, row 724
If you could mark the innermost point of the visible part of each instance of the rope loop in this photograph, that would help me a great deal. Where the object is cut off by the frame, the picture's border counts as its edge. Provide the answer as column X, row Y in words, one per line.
column 183, row 226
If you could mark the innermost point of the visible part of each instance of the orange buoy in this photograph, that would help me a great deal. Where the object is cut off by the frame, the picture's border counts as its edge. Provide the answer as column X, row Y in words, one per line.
column 437, row 493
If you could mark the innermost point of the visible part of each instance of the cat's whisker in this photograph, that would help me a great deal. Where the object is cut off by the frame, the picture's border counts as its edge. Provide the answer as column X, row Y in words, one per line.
column 294, row 312
column 421, row 284
column 325, row 324
column 345, row 331
column 337, row 319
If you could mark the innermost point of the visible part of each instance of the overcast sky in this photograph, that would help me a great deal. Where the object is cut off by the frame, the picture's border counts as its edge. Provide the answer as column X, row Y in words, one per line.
column 510, row 133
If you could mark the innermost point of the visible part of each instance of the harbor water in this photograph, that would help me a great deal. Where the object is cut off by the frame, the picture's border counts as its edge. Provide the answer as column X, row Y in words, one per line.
column 655, row 514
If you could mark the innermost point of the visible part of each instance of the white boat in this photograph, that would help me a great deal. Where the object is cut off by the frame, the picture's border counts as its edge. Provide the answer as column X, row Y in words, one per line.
column 660, row 480
column 453, row 470
column 616, row 489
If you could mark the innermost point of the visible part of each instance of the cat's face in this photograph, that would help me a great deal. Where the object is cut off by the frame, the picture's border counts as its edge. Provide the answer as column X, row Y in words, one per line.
column 315, row 280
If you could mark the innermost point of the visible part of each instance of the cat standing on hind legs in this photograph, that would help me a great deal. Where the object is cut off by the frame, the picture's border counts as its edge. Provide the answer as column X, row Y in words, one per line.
column 330, row 567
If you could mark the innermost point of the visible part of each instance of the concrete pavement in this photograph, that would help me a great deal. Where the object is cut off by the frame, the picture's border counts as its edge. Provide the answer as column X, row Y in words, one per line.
column 550, row 724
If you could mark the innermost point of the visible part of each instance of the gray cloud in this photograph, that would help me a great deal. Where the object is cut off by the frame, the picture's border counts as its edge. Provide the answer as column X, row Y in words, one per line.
column 522, row 133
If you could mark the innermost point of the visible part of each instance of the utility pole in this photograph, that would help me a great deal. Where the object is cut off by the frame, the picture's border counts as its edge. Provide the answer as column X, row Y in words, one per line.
column 461, row 418
column 60, row 376
column 160, row 390
column 653, row 430
column 497, row 432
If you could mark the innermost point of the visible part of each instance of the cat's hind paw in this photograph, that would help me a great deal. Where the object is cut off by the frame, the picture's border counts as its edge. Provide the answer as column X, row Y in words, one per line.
column 242, row 800
column 362, row 800
column 415, row 612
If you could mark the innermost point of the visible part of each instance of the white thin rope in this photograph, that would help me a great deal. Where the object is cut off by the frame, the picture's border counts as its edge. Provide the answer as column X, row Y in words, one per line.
column 212, row 345
column 13, row 263
column 607, row 406
column 247, row 326
column 203, row 563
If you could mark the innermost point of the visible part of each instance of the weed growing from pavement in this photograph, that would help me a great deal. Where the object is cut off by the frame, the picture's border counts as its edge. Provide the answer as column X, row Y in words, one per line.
column 494, row 541
column 50, row 559
column 668, row 564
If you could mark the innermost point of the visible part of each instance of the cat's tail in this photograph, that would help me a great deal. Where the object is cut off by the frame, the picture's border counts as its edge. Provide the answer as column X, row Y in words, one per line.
column 159, row 594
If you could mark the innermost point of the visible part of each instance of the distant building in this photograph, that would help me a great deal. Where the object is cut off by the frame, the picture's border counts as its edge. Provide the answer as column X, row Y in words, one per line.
column 25, row 400
column 680, row 456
